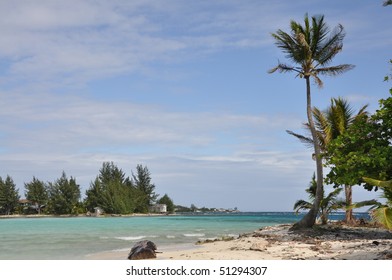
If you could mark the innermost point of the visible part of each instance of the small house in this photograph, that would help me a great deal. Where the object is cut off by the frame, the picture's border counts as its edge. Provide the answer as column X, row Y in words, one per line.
column 158, row 208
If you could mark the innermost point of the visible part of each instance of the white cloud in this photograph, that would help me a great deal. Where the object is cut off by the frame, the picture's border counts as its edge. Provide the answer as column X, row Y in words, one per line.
column 186, row 152
column 62, row 43
column 44, row 122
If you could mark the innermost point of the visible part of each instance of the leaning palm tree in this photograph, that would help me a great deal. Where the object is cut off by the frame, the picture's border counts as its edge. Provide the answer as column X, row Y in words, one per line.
column 330, row 124
column 311, row 48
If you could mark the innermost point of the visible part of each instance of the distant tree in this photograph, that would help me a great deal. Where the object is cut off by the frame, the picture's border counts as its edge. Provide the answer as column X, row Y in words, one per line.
column 311, row 47
column 193, row 207
column 112, row 191
column 168, row 201
column 142, row 182
column 180, row 208
column 64, row 196
column 37, row 193
column 9, row 196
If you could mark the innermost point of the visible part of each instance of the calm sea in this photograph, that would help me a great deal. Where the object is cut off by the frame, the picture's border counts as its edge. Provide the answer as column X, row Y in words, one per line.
column 79, row 237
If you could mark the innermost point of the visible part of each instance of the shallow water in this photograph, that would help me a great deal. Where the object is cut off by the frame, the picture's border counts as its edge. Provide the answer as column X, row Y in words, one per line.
column 79, row 237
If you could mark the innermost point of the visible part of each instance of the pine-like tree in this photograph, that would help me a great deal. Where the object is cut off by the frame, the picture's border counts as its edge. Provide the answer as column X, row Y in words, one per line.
column 9, row 196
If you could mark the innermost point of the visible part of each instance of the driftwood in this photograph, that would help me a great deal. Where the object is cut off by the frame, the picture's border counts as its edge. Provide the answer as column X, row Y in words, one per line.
column 143, row 250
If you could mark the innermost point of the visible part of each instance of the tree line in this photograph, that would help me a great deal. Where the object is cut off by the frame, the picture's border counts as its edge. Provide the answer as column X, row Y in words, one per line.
column 112, row 191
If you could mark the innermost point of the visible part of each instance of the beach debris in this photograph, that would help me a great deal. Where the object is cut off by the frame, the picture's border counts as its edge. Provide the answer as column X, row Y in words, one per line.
column 145, row 249
column 260, row 245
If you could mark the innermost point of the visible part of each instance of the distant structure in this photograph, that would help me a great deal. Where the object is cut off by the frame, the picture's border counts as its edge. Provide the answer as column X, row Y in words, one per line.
column 98, row 211
column 158, row 208
column 29, row 207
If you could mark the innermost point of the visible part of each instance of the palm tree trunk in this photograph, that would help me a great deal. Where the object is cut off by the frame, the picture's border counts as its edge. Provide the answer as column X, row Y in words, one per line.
column 349, row 219
column 310, row 218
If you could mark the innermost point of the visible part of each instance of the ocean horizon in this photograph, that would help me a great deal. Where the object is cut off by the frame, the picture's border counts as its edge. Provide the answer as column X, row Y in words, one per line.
column 77, row 238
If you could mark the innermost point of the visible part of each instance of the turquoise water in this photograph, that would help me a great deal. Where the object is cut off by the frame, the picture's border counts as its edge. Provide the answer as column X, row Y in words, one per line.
column 78, row 237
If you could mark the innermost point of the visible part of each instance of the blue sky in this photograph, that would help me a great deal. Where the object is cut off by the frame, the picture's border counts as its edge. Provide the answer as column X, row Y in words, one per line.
column 179, row 86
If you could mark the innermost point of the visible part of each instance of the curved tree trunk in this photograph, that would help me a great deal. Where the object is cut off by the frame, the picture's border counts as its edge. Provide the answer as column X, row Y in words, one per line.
column 310, row 218
column 349, row 219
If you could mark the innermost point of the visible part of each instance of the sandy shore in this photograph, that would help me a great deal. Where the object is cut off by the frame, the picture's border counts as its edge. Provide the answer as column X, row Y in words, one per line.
column 331, row 242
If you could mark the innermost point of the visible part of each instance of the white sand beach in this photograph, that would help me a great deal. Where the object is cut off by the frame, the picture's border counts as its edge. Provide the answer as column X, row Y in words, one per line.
column 330, row 242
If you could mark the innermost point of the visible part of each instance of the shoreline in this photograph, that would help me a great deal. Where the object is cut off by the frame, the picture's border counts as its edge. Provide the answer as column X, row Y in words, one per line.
column 36, row 216
column 329, row 242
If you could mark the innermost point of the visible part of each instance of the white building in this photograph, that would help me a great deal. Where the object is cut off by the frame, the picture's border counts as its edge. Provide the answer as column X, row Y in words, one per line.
column 158, row 208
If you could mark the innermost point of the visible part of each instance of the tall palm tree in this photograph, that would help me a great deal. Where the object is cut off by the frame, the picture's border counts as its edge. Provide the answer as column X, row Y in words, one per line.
column 311, row 47
column 331, row 123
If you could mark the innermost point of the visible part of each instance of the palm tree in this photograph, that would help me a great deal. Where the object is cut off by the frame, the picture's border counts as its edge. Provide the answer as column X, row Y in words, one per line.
column 311, row 48
column 327, row 204
column 330, row 124
column 383, row 212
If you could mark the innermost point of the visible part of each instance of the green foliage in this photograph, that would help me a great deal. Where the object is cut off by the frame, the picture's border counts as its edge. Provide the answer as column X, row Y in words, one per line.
column 331, row 122
column 168, row 201
column 312, row 47
column 363, row 150
column 117, row 194
column 383, row 212
column 64, row 196
column 142, row 183
column 328, row 203
column 37, row 193
column 111, row 191
column 9, row 196
column 383, row 215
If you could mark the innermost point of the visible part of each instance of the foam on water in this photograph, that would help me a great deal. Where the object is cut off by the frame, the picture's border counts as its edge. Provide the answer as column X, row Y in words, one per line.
column 193, row 234
column 128, row 238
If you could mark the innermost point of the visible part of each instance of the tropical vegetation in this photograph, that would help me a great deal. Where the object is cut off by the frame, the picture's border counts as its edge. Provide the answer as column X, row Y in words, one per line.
column 311, row 48
column 330, row 124
column 382, row 212
column 328, row 203
column 9, row 196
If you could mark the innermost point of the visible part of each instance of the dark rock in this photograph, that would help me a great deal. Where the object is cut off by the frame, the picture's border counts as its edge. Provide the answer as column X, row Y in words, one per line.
column 143, row 250
column 376, row 243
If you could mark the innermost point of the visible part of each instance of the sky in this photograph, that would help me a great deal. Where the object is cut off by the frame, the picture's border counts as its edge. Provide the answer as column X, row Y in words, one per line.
column 178, row 86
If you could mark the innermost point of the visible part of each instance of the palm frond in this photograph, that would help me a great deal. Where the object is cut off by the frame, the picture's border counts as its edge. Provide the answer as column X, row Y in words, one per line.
column 306, row 140
column 288, row 44
column 317, row 79
column 379, row 183
column 302, row 205
column 383, row 216
column 334, row 70
column 334, row 194
column 329, row 47
column 364, row 203
column 283, row 68
column 362, row 112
